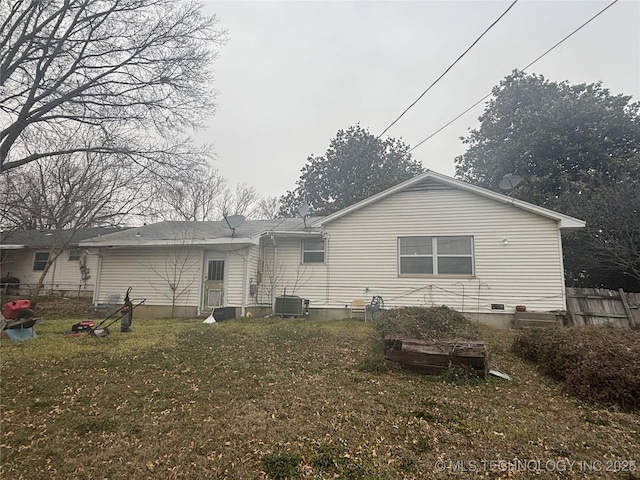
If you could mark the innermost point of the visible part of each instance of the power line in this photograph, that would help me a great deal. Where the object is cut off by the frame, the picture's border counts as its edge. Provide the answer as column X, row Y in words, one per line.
column 523, row 70
column 447, row 70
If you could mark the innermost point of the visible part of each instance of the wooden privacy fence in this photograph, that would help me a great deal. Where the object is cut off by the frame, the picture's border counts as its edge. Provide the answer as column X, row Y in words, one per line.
column 597, row 306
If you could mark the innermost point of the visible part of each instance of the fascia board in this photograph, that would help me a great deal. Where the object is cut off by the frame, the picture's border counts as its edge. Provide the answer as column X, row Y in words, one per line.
column 172, row 243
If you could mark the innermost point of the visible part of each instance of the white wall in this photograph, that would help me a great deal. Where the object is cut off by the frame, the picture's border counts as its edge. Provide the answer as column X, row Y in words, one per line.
column 64, row 274
column 148, row 270
column 361, row 257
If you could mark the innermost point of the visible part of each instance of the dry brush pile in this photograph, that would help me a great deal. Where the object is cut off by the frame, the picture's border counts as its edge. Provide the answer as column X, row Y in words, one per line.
column 600, row 364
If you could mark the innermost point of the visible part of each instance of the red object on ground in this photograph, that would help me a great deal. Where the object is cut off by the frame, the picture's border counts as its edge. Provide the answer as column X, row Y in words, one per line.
column 12, row 309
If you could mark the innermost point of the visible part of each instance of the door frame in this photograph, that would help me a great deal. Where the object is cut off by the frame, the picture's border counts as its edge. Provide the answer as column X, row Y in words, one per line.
column 209, row 255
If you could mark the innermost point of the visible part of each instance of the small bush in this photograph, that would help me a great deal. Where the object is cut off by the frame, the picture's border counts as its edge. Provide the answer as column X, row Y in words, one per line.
column 326, row 458
column 280, row 466
column 433, row 323
column 600, row 364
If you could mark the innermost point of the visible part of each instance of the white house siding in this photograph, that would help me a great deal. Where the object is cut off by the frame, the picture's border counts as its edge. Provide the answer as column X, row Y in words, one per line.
column 64, row 274
column 290, row 276
column 236, row 274
column 122, row 268
column 361, row 257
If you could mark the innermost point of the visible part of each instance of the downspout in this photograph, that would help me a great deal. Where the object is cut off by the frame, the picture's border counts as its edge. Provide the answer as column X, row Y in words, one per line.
column 53, row 273
column 203, row 279
column 327, row 269
column 96, row 290
column 275, row 276
column 245, row 273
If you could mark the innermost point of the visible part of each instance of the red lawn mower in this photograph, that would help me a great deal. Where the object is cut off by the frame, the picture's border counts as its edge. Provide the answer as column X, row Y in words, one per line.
column 124, row 314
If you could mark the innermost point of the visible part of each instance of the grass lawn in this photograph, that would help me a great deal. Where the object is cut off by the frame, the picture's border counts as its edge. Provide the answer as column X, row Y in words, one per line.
column 252, row 399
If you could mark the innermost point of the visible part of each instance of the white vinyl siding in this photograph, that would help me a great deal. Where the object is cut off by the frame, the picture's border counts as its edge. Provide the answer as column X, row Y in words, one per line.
column 283, row 273
column 64, row 275
column 362, row 254
column 149, row 271
column 236, row 275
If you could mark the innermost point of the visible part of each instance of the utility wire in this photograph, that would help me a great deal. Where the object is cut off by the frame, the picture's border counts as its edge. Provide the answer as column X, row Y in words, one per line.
column 523, row 70
column 447, row 70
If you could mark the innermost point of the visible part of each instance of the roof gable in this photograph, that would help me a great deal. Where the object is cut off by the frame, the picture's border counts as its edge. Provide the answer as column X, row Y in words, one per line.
column 432, row 181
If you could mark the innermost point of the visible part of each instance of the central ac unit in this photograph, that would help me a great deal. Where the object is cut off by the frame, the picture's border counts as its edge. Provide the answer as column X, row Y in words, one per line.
column 290, row 306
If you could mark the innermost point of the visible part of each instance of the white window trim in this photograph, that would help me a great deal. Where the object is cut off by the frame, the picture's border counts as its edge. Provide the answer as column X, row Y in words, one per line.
column 303, row 251
column 434, row 256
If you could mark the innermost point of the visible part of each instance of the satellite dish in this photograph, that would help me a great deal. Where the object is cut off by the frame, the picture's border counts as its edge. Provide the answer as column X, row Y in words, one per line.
column 304, row 209
column 510, row 181
column 232, row 222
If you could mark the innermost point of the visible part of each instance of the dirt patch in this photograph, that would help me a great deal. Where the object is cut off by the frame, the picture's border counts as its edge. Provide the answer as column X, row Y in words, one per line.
column 57, row 307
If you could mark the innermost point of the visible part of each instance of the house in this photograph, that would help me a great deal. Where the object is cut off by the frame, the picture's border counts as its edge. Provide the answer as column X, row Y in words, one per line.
column 431, row 240
column 24, row 255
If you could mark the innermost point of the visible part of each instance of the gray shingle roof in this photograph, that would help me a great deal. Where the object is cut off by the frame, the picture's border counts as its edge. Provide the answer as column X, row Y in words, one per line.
column 49, row 238
column 198, row 232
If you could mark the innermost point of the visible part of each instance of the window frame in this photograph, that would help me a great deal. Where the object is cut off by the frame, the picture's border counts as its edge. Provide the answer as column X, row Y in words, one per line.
column 72, row 258
column 40, row 263
column 435, row 256
column 217, row 270
column 308, row 251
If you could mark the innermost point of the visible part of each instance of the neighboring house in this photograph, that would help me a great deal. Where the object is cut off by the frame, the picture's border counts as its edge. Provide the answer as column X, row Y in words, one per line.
column 24, row 255
column 431, row 240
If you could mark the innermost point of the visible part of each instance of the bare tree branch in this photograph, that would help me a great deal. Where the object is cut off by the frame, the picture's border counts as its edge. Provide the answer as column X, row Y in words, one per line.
column 125, row 72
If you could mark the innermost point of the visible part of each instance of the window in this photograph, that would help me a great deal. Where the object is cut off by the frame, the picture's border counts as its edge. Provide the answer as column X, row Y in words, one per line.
column 214, row 297
column 313, row 250
column 40, row 261
column 435, row 255
column 74, row 255
column 216, row 270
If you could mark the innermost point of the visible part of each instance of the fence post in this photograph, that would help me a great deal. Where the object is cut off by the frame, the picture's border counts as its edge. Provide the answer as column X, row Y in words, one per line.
column 627, row 309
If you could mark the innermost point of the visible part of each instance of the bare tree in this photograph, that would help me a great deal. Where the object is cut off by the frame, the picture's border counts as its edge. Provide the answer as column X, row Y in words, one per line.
column 71, row 193
column 202, row 194
column 132, row 76
column 268, row 208
column 194, row 196
column 244, row 201
column 177, row 271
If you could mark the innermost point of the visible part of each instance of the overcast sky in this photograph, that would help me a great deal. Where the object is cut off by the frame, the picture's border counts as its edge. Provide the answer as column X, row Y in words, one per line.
column 294, row 73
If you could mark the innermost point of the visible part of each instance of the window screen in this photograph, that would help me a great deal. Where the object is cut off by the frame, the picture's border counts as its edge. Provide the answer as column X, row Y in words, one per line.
column 435, row 255
column 313, row 250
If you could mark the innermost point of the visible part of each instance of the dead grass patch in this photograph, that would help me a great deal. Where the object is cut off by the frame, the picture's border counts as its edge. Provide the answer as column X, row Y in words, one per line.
column 246, row 399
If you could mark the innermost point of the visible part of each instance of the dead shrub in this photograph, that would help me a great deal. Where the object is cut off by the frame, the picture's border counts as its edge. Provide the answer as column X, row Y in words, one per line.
column 600, row 364
column 433, row 323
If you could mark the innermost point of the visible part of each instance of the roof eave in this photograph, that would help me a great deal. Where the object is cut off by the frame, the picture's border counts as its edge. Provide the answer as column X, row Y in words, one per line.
column 173, row 243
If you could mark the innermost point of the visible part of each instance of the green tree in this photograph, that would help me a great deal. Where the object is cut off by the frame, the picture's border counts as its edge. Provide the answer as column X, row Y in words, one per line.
column 611, row 240
column 577, row 148
column 355, row 166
